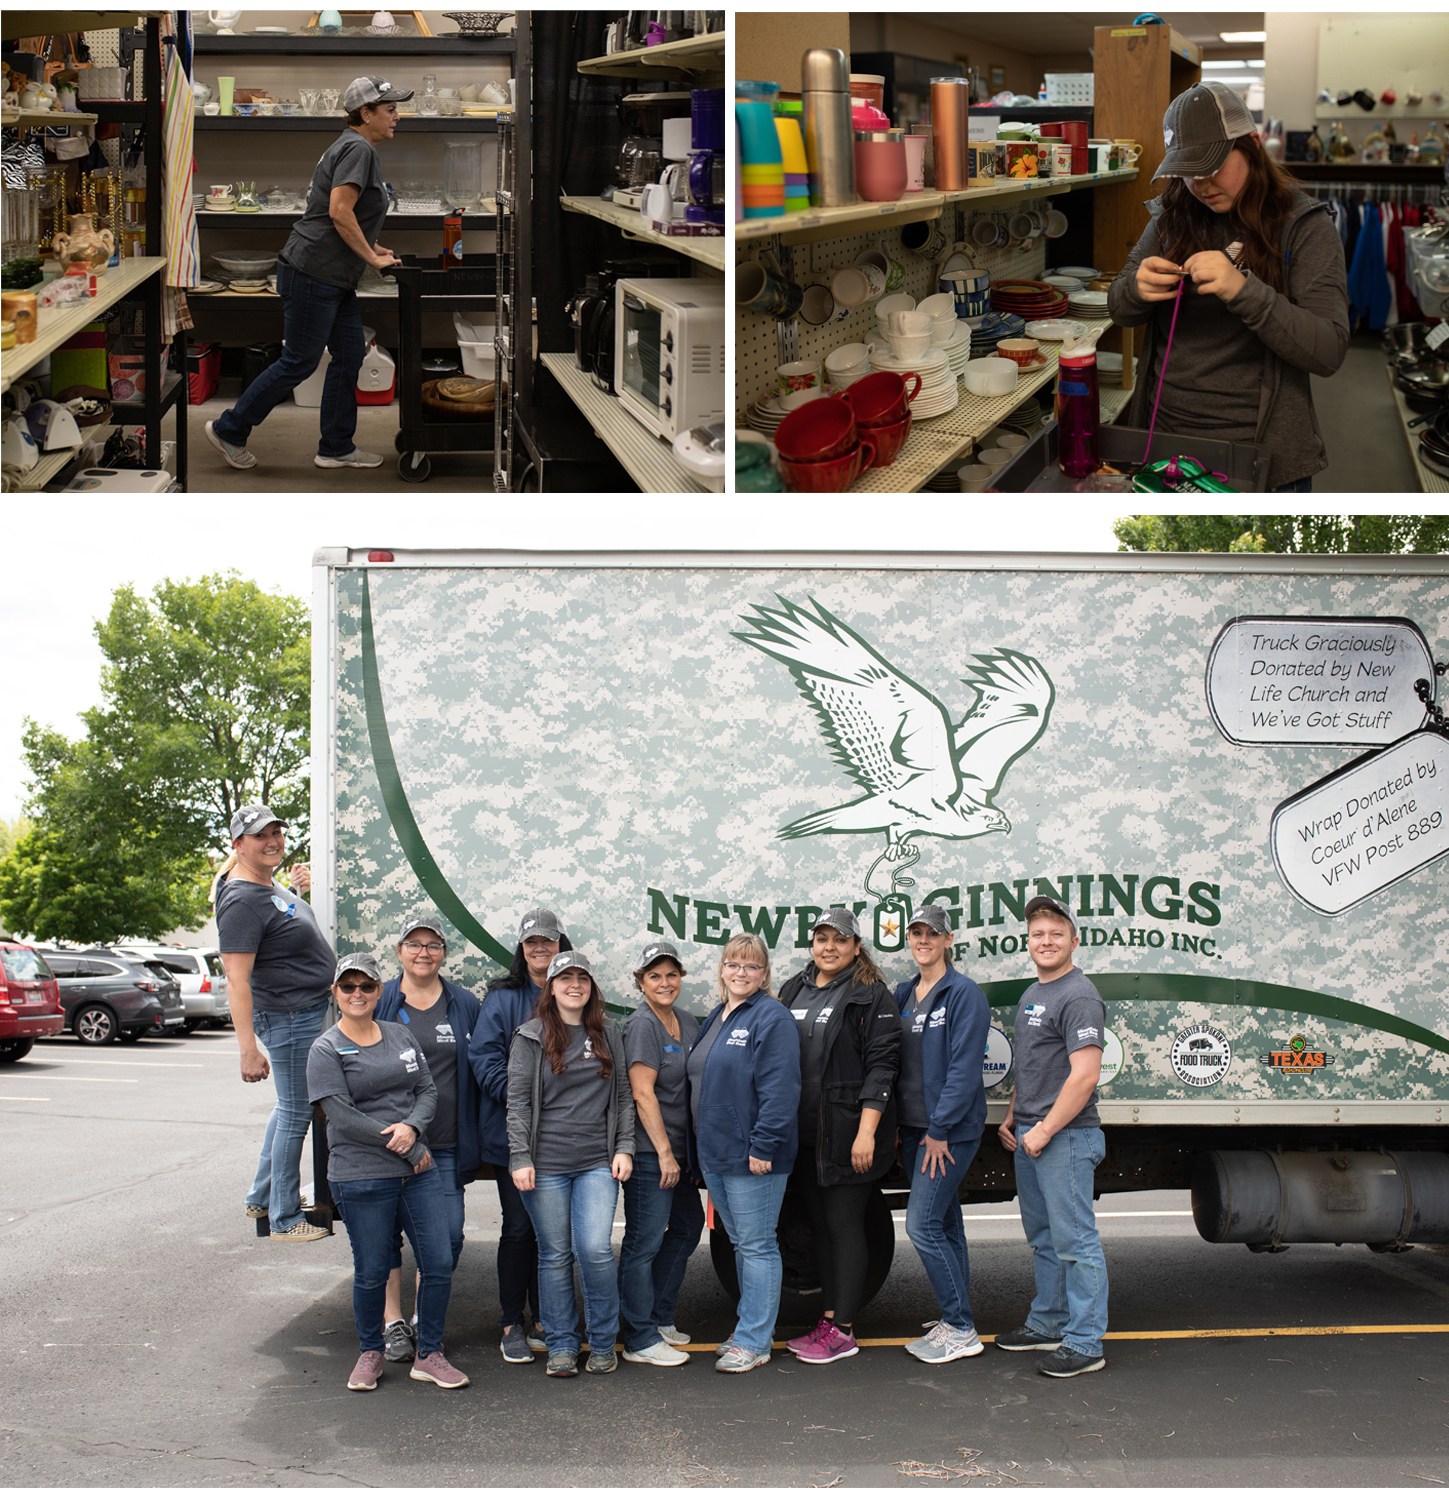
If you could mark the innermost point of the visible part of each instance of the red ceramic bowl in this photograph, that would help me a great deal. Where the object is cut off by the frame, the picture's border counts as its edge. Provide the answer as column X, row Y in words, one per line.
column 888, row 442
column 816, row 432
column 881, row 398
column 831, row 477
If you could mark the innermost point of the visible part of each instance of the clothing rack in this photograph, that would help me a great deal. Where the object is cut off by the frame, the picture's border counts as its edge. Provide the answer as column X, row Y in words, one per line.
column 1429, row 193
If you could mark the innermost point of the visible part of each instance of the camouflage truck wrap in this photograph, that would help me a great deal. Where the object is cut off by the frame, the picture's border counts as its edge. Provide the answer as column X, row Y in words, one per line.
column 1221, row 763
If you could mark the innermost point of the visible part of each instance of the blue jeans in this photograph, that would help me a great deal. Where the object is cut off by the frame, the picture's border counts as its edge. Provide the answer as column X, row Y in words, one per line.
column 749, row 1210
column 315, row 317
column 573, row 1217
column 933, row 1224
column 1055, row 1190
column 662, row 1229
column 446, row 1161
column 370, row 1209
column 1298, row 487
column 288, row 1037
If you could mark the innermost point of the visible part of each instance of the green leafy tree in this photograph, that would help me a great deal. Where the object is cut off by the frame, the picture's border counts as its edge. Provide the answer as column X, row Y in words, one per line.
column 205, row 709
column 12, row 830
column 1320, row 534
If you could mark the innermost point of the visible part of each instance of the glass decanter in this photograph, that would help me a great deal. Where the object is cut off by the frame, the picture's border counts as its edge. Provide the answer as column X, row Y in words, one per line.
column 428, row 99
column 247, row 201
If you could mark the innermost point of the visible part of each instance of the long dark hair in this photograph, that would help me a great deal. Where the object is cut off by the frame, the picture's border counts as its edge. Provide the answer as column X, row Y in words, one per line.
column 517, row 976
column 864, row 971
column 555, row 1031
column 1257, row 216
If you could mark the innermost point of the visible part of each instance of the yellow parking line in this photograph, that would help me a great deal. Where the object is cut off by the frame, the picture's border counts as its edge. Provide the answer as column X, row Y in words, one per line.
column 1184, row 1333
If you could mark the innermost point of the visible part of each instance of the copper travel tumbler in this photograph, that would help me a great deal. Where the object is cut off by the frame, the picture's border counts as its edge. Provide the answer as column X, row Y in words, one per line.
column 950, row 104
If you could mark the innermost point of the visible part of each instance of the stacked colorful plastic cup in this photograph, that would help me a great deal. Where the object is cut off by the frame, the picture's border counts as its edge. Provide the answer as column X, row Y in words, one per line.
column 797, row 169
column 762, row 164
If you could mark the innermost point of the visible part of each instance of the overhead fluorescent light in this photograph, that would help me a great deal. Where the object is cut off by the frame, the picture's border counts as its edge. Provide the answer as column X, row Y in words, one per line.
column 1257, row 62
column 1237, row 78
column 1243, row 36
column 1239, row 63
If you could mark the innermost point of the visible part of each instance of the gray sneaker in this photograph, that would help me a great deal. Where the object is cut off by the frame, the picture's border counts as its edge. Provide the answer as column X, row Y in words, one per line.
column 736, row 1361
column 514, row 1346
column 399, row 1342
column 604, row 1362
column 237, row 456
column 359, row 458
column 536, row 1340
column 671, row 1335
column 657, row 1354
column 565, row 1363
column 945, row 1343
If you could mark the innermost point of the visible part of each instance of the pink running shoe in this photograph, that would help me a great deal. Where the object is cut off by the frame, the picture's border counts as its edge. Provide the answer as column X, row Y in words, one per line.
column 437, row 1369
column 365, row 1371
column 806, row 1339
column 830, row 1345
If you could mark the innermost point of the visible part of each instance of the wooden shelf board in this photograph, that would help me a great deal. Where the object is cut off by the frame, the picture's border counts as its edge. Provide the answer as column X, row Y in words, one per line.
column 695, row 54
column 10, row 115
column 649, row 460
column 57, row 325
column 351, row 46
column 19, row 23
column 49, row 466
column 708, row 250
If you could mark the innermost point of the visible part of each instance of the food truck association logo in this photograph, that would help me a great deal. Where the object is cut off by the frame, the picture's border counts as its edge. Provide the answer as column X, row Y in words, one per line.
column 921, row 774
column 1201, row 1056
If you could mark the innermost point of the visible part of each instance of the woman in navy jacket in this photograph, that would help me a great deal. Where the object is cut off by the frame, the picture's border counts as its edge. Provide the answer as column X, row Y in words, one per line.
column 850, row 1045
column 941, row 1101
column 744, row 1095
column 508, row 1003
column 442, row 1017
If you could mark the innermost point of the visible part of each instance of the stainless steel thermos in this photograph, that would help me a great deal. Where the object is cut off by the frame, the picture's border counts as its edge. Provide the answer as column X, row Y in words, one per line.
column 829, row 139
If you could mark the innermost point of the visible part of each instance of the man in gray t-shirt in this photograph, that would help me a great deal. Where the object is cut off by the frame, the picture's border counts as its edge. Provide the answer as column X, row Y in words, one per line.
column 1053, row 1129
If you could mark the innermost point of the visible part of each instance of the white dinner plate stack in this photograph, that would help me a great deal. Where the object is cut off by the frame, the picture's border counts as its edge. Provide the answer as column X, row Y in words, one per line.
column 1054, row 330
column 939, row 391
column 958, row 351
column 1087, row 304
column 766, row 414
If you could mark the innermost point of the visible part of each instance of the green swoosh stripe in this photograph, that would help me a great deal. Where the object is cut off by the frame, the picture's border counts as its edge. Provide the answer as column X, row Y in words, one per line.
column 1205, row 990
column 395, row 800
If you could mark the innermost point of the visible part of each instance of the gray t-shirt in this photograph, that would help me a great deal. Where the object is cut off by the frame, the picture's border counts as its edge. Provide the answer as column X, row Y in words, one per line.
column 812, row 1009
column 314, row 247
column 646, row 1041
column 573, row 1130
column 381, row 1081
column 294, row 963
column 440, row 1047
column 698, row 1056
column 911, row 1084
column 1053, row 1021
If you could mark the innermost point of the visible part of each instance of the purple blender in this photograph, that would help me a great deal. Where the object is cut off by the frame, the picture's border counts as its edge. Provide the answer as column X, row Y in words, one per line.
column 706, row 157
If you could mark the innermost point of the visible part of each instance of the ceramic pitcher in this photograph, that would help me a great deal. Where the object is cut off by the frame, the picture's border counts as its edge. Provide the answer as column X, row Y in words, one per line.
column 85, row 245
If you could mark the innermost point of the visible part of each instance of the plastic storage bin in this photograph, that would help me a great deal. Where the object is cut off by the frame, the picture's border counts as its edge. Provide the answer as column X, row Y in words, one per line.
column 1070, row 88
column 475, row 345
column 309, row 393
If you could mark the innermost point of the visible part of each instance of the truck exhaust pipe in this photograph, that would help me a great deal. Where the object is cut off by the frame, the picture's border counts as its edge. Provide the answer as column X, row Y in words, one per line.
column 1267, row 1200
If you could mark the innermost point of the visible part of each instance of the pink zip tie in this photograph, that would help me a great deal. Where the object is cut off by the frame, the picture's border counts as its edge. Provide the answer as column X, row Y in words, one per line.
column 1162, row 372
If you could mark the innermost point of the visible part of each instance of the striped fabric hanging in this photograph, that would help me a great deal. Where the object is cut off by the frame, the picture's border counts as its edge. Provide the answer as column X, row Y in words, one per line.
column 183, row 252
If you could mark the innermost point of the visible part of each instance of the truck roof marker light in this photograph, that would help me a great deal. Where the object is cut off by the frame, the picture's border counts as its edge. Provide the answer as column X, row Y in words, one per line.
column 380, row 556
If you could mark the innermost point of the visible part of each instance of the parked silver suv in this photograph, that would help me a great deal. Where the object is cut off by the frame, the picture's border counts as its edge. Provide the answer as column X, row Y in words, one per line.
column 199, row 973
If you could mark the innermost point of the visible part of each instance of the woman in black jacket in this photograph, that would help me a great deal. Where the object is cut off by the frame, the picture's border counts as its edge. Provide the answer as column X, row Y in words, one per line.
column 850, row 1047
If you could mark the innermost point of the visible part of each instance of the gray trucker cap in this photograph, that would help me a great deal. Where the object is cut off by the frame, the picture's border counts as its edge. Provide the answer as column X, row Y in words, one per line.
column 564, row 961
column 540, row 922
column 937, row 918
column 842, row 919
column 1199, row 129
column 1048, row 903
column 372, row 90
column 361, row 963
column 252, row 820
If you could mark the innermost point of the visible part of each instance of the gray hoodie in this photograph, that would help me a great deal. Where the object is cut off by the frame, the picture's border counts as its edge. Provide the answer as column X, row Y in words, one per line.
column 526, row 1062
column 1305, row 332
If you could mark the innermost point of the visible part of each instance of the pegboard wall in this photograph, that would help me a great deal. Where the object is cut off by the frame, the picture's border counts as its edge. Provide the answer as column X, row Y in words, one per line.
column 758, row 336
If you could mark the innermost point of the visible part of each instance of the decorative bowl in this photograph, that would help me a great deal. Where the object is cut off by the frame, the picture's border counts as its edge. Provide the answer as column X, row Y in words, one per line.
column 477, row 22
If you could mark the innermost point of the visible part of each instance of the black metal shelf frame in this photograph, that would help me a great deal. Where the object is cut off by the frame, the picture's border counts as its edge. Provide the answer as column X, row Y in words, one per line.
column 352, row 46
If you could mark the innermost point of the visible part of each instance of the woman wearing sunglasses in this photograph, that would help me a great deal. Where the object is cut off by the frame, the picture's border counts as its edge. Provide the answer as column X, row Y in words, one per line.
column 744, row 1094
column 442, row 1017
column 374, row 1086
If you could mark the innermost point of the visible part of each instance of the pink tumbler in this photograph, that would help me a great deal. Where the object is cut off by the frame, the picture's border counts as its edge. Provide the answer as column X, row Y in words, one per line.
column 880, row 165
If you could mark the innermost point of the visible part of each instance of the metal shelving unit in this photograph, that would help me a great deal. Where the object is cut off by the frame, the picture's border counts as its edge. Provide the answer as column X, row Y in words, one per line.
column 336, row 124
column 1429, row 482
column 708, row 250
column 695, row 54
column 248, row 43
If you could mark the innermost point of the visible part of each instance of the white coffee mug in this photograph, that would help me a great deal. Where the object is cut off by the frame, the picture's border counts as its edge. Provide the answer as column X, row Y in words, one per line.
column 818, row 307
column 856, row 285
column 656, row 205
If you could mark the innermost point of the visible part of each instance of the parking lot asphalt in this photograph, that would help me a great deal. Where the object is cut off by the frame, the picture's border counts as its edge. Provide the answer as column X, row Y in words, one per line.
column 154, row 1340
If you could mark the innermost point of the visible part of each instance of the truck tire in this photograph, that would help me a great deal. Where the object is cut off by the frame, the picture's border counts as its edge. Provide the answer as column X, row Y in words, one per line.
column 13, row 1049
column 800, row 1296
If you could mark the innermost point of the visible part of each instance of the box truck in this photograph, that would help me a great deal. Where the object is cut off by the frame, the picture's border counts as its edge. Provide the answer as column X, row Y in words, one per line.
column 1232, row 768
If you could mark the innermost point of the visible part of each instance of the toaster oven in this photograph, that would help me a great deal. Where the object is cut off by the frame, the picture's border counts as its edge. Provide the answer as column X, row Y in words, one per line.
column 669, row 352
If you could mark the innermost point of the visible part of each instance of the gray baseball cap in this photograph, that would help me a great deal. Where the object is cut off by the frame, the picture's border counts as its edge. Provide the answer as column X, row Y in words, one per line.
column 361, row 963
column 937, row 918
column 372, row 90
column 540, row 922
column 1199, row 129
column 1048, row 903
column 564, row 961
column 253, row 819
column 653, row 952
column 419, row 920
column 842, row 919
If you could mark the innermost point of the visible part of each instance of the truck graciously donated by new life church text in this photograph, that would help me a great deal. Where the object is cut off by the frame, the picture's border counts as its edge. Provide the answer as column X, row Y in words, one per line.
column 1232, row 768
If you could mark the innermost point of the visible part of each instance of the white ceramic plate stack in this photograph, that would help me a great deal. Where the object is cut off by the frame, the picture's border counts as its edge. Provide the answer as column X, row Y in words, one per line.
column 1080, row 273
column 766, row 414
column 1054, row 330
column 939, row 391
column 1088, row 304
column 958, row 351
column 1109, row 362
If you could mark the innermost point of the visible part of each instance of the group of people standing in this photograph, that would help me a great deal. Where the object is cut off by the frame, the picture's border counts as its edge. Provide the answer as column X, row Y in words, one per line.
column 820, row 1088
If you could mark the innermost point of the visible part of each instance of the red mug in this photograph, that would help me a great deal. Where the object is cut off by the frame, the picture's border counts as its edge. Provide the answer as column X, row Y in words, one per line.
column 820, row 430
column 880, row 398
column 889, row 441
column 831, row 477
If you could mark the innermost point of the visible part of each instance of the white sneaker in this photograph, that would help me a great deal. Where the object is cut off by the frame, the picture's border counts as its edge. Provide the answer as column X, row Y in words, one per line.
column 657, row 1354
column 945, row 1343
column 359, row 458
column 237, row 457
column 671, row 1335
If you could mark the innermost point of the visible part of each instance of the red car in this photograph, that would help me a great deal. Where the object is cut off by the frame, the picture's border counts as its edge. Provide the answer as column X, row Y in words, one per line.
column 29, row 1001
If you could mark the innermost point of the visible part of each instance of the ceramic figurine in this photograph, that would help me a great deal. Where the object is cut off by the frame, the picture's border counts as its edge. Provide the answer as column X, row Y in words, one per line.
column 85, row 244
column 1339, row 148
column 225, row 21
column 330, row 21
column 1313, row 149
column 1431, row 153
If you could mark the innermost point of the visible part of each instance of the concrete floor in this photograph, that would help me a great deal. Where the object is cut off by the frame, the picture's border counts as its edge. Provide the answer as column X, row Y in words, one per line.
column 287, row 442
column 1367, row 448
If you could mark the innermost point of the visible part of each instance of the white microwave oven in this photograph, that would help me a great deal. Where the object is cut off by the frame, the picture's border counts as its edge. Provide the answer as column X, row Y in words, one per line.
column 669, row 352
